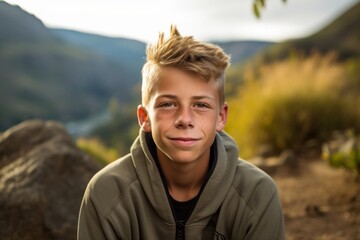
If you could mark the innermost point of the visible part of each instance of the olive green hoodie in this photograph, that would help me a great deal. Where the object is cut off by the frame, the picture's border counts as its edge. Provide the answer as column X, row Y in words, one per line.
column 127, row 200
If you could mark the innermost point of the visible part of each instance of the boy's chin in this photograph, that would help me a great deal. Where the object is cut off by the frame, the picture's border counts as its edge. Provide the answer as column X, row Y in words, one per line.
column 183, row 158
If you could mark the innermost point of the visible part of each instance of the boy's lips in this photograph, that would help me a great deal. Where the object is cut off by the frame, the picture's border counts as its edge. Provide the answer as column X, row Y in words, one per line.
column 184, row 140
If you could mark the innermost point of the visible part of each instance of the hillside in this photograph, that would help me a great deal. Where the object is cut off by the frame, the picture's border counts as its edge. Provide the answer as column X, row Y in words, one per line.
column 17, row 25
column 130, row 53
column 341, row 35
column 44, row 77
column 241, row 51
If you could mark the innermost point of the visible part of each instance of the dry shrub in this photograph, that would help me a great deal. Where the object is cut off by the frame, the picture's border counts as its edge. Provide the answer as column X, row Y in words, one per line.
column 284, row 104
column 96, row 149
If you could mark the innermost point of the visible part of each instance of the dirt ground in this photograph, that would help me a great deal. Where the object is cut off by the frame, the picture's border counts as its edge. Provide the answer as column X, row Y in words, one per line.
column 319, row 202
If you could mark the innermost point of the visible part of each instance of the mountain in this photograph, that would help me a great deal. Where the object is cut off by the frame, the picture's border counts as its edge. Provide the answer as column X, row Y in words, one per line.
column 241, row 51
column 341, row 35
column 45, row 77
column 17, row 25
column 130, row 53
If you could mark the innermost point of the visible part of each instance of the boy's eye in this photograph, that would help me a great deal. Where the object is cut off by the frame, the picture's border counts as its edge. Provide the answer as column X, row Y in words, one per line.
column 201, row 105
column 167, row 104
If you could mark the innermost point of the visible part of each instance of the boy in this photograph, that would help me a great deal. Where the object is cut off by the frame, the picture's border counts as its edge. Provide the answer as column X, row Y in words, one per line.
column 183, row 178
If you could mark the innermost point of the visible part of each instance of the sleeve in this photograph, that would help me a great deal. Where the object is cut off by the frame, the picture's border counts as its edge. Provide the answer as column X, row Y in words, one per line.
column 92, row 224
column 268, row 223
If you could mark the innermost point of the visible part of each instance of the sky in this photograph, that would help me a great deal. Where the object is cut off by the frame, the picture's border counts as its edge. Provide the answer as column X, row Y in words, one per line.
column 207, row 20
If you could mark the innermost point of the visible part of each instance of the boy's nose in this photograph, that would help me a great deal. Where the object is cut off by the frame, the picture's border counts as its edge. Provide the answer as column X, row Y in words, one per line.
column 184, row 118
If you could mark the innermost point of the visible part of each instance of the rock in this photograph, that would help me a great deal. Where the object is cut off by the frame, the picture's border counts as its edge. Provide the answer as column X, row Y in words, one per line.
column 314, row 211
column 286, row 162
column 343, row 150
column 43, row 176
column 311, row 149
column 265, row 151
column 288, row 159
column 269, row 165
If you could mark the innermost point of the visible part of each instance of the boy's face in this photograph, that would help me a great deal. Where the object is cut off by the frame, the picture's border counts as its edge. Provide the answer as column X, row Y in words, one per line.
column 183, row 115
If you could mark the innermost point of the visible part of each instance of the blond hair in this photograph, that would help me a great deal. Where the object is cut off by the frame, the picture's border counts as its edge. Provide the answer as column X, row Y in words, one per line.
column 203, row 59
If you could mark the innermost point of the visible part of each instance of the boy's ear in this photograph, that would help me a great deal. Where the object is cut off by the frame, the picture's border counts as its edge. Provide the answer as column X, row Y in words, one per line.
column 222, row 118
column 143, row 118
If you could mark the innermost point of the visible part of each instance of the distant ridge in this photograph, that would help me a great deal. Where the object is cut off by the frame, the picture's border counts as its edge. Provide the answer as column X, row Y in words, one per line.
column 241, row 51
column 21, row 26
column 45, row 77
column 130, row 53
column 341, row 35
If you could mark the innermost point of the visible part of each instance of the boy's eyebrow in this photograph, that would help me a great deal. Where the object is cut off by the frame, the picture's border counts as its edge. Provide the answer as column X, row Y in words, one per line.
column 171, row 96
column 202, row 97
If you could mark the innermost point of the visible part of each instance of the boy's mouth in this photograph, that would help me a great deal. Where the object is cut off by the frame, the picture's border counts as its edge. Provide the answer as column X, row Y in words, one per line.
column 184, row 140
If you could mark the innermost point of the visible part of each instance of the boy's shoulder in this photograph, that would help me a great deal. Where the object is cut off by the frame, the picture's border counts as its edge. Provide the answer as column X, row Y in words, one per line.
column 251, row 182
column 112, row 182
column 116, row 172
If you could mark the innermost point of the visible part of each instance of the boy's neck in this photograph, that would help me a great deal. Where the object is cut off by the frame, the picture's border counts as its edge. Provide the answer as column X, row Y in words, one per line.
column 184, row 180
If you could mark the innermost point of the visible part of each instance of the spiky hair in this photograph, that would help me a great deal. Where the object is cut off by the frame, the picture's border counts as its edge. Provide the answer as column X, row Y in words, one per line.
column 183, row 52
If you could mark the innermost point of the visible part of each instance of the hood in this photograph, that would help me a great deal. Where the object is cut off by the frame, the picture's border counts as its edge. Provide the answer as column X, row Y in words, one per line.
column 219, row 182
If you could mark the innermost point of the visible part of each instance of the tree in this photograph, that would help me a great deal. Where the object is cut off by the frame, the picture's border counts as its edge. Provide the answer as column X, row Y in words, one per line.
column 259, row 5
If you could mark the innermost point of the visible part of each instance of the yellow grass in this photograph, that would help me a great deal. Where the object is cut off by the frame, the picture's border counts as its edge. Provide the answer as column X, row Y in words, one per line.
column 286, row 103
column 96, row 149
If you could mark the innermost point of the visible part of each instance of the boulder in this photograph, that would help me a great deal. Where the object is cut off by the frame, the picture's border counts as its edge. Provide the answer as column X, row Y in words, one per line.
column 43, row 176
